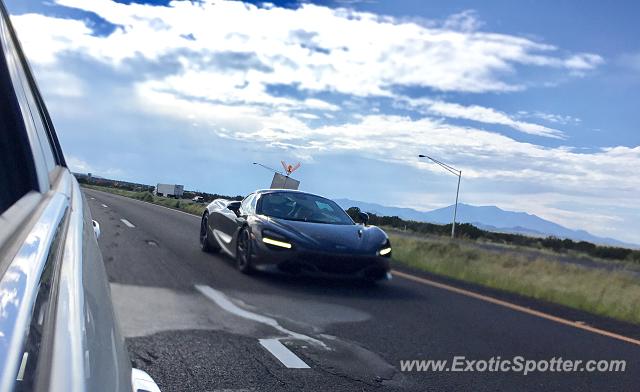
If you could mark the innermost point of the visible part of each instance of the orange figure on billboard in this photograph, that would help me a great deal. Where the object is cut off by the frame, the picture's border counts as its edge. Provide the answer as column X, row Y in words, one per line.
column 290, row 168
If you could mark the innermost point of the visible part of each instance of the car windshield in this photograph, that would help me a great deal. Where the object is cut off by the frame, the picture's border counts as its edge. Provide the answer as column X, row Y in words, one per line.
column 302, row 207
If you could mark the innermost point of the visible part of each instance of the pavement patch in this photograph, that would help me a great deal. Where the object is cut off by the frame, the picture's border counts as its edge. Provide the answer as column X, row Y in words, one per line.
column 146, row 310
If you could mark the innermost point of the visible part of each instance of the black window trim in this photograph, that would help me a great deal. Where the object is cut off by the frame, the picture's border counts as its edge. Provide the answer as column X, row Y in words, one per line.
column 42, row 174
column 41, row 108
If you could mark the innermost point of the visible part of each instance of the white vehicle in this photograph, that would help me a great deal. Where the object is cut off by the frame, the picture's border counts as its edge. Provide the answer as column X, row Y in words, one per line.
column 170, row 190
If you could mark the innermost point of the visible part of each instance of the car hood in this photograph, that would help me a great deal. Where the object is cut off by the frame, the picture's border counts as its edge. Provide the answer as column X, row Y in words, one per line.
column 332, row 238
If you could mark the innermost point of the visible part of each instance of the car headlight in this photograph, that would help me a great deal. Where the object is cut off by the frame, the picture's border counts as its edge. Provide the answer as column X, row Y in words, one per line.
column 271, row 238
column 274, row 242
column 385, row 250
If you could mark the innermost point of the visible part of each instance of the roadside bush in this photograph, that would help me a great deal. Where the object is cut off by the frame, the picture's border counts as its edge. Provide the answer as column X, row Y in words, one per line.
column 146, row 196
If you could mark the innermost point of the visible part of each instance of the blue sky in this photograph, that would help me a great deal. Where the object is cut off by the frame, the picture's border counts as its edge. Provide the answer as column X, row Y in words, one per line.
column 536, row 102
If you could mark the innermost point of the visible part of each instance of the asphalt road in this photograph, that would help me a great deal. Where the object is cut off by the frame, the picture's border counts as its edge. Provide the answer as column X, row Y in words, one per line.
column 195, row 323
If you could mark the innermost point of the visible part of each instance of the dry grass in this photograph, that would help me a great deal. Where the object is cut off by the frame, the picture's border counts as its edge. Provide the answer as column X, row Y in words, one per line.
column 613, row 294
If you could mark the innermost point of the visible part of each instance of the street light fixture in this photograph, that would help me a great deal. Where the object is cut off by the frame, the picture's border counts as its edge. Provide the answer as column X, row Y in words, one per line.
column 267, row 167
column 457, row 173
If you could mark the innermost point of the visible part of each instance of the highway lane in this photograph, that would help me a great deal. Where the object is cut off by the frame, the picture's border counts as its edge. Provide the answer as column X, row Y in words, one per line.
column 187, row 341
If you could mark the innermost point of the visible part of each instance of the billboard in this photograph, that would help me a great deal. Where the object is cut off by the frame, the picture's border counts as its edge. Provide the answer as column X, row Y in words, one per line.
column 283, row 182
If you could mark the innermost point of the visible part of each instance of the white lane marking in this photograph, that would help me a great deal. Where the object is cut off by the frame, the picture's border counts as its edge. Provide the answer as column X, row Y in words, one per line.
column 225, row 303
column 143, row 382
column 104, row 205
column 23, row 365
column 284, row 355
column 92, row 198
column 126, row 222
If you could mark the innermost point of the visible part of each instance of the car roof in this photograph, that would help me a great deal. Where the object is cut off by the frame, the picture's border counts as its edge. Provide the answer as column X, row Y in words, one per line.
column 266, row 191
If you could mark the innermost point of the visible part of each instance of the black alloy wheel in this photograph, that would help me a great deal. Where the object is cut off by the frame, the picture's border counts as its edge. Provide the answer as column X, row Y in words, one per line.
column 243, row 253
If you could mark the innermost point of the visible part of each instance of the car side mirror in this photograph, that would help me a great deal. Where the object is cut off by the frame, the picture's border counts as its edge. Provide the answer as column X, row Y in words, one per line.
column 364, row 217
column 235, row 207
column 96, row 228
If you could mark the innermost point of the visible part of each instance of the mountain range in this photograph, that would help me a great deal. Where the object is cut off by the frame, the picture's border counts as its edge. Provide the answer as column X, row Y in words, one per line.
column 489, row 218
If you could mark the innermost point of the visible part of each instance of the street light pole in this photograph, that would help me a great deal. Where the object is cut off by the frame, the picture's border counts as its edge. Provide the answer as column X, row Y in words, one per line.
column 457, row 173
column 455, row 209
column 267, row 167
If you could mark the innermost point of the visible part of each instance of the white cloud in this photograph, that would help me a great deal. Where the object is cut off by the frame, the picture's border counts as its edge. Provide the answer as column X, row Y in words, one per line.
column 61, row 83
column 44, row 37
column 78, row 165
column 550, row 117
column 487, row 155
column 583, row 62
column 464, row 21
column 309, row 116
column 482, row 114
column 316, row 48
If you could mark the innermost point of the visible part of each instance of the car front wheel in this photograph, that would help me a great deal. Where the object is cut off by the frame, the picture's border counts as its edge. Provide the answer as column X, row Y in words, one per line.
column 243, row 252
column 205, row 241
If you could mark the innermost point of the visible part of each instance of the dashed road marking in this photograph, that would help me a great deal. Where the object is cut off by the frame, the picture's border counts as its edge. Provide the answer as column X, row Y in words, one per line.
column 104, row 205
column 283, row 354
column 23, row 366
column 127, row 223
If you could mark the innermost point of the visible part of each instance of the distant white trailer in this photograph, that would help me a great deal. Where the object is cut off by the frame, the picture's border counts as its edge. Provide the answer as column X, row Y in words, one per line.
column 169, row 190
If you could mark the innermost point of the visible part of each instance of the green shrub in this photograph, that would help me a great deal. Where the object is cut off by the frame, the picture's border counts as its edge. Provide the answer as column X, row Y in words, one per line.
column 148, row 197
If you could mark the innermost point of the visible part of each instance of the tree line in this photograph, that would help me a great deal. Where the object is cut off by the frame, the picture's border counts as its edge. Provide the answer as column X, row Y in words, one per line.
column 469, row 231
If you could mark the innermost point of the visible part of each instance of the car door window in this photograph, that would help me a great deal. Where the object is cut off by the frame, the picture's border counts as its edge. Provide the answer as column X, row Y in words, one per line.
column 324, row 206
column 254, row 202
column 245, row 207
column 17, row 171
column 45, row 159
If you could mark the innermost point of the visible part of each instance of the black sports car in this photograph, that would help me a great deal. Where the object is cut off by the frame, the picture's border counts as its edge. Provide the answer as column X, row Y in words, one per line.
column 295, row 232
